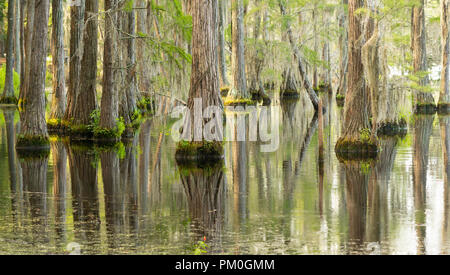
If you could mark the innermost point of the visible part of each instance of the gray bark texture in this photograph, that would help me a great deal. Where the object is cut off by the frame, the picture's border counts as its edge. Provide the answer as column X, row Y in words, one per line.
column 32, row 119
column 57, row 45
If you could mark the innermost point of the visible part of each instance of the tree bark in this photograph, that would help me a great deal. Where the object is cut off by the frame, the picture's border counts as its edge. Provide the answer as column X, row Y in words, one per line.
column 343, row 53
column 358, row 137
column 8, row 91
column 32, row 119
column 28, row 42
column 222, row 60
column 58, row 107
column 306, row 84
column 239, row 89
column 444, row 98
column 86, row 93
column 128, row 94
column 422, row 99
column 110, row 99
column 204, row 76
column 76, row 54
column 17, row 53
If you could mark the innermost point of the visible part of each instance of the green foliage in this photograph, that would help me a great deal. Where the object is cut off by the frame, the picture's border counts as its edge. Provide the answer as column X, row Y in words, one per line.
column 200, row 248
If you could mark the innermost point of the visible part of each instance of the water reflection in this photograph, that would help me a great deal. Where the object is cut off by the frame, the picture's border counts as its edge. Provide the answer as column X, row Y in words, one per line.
column 134, row 198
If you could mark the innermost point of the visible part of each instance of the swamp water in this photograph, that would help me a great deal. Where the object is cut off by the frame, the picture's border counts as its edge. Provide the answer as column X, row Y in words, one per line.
column 136, row 200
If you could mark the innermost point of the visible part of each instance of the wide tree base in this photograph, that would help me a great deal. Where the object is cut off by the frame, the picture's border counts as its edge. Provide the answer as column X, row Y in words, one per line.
column 340, row 100
column 347, row 149
column 29, row 146
column 324, row 88
column 393, row 128
column 199, row 151
column 239, row 102
column 56, row 126
column 9, row 100
column 443, row 108
column 80, row 132
column 224, row 91
column 259, row 96
column 289, row 94
column 425, row 109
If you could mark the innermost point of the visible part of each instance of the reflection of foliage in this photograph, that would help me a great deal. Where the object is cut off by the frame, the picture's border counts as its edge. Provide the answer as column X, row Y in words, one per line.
column 200, row 248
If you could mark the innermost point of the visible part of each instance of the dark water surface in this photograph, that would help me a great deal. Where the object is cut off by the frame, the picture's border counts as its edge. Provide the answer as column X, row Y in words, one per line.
column 136, row 200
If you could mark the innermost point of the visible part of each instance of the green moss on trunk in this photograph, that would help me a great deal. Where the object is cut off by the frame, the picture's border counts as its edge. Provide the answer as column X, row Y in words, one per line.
column 10, row 100
column 362, row 148
column 28, row 146
column 340, row 100
column 239, row 102
column 199, row 151
column 425, row 109
column 444, row 108
column 399, row 128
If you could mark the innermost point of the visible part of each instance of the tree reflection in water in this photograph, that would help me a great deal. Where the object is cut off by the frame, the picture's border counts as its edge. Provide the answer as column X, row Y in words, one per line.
column 205, row 194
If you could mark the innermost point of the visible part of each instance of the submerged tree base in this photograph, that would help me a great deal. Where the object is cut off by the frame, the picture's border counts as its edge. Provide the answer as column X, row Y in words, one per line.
column 443, row 108
column 239, row 102
column 425, row 109
column 199, row 151
column 399, row 128
column 260, row 96
column 289, row 94
column 224, row 91
column 324, row 88
column 347, row 149
column 29, row 146
column 9, row 100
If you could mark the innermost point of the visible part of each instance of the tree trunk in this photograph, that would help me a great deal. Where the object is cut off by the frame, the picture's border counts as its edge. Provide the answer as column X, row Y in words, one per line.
column 110, row 99
column 23, row 6
column 222, row 64
column 204, row 78
column 59, row 80
column 143, row 26
column 18, row 57
column 86, row 93
column 8, row 91
column 128, row 95
column 28, row 42
column 444, row 98
column 76, row 54
column 306, row 84
column 239, row 89
column 424, row 101
column 343, row 53
column 33, row 130
column 357, row 138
